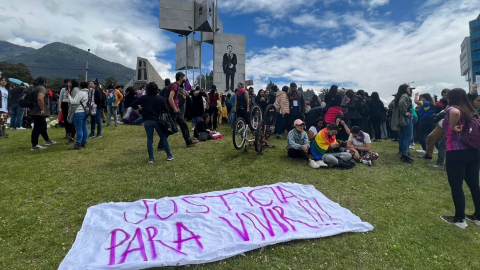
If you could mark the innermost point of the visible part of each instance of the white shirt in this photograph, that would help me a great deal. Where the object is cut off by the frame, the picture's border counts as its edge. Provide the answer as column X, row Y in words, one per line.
column 4, row 107
column 360, row 144
column 313, row 129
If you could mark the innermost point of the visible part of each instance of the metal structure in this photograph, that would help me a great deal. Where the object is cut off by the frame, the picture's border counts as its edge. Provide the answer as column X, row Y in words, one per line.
column 185, row 17
column 145, row 73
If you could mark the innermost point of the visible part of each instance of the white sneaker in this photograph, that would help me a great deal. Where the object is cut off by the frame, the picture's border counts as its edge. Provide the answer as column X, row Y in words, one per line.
column 367, row 162
column 313, row 164
column 21, row 128
column 321, row 163
column 38, row 147
column 411, row 147
column 50, row 143
column 193, row 128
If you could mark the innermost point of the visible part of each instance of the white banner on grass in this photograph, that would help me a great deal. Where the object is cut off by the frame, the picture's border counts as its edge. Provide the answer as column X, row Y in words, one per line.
column 204, row 227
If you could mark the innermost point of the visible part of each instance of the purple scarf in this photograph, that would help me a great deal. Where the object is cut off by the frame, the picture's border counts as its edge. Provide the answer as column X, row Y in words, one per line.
column 361, row 137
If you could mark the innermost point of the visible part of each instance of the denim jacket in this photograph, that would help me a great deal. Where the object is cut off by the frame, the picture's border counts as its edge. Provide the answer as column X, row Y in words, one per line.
column 297, row 139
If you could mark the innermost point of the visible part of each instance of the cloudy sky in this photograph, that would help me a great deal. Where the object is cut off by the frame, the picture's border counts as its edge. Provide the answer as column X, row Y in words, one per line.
column 363, row 44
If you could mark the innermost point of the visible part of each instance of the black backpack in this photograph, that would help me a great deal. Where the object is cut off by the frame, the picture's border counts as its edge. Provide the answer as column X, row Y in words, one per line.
column 345, row 165
column 364, row 110
column 27, row 99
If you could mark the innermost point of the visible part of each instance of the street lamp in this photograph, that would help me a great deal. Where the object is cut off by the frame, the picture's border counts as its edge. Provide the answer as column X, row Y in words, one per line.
column 86, row 67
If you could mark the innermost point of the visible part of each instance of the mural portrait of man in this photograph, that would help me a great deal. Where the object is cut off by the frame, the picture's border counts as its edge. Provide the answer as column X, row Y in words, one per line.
column 229, row 65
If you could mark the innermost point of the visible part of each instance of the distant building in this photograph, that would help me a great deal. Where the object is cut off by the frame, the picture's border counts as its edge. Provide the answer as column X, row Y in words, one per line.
column 466, row 61
column 144, row 74
column 474, row 49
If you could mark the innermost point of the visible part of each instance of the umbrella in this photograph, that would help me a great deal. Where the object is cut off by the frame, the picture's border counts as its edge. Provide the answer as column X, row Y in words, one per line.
column 15, row 81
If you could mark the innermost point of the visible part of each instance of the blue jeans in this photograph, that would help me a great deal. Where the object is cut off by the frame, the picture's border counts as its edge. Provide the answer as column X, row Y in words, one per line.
column 150, row 126
column 383, row 127
column 53, row 107
column 139, row 121
column 406, row 136
column 17, row 116
column 112, row 111
column 80, row 121
column 279, row 124
column 195, row 120
column 231, row 118
column 414, row 122
column 96, row 120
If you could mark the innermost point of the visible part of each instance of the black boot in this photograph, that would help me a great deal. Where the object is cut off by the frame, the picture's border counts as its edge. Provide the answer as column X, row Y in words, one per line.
column 406, row 159
column 76, row 147
column 83, row 145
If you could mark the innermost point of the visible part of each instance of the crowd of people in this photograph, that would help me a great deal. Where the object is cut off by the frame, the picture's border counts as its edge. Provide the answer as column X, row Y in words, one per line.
column 334, row 130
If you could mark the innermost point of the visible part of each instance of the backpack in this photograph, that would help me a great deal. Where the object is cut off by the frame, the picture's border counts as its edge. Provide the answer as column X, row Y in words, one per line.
column 104, row 99
column 345, row 165
column 90, row 108
column 27, row 99
column 364, row 110
column 470, row 134
column 111, row 99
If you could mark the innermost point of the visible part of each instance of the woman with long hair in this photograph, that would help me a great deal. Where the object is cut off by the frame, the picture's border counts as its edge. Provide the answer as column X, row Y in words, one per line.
column 63, row 107
column 213, row 97
column 462, row 162
column 425, row 116
column 334, row 109
column 402, row 120
column 261, row 100
column 78, row 101
column 283, row 109
column 314, row 102
column 377, row 109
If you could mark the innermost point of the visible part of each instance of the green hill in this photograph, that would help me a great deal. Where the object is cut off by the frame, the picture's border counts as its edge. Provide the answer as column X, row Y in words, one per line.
column 63, row 60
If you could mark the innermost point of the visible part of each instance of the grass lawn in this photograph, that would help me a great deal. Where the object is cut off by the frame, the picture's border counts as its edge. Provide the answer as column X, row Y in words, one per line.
column 44, row 197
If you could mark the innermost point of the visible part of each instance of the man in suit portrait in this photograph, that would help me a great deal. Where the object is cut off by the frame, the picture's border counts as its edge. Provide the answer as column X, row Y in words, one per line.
column 229, row 67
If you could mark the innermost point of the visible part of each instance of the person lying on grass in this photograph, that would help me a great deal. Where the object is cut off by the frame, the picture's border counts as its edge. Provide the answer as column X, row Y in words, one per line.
column 358, row 145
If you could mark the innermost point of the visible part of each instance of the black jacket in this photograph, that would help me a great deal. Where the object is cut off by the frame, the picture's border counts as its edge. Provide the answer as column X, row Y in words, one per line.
column 14, row 96
column 100, row 98
column 129, row 98
column 376, row 109
column 152, row 106
column 197, row 103
column 354, row 109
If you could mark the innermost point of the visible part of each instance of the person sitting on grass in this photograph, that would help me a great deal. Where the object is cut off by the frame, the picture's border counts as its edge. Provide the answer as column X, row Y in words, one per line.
column 202, row 128
column 359, row 146
column 326, row 148
column 298, row 144
column 135, row 118
column 343, row 130
column 313, row 130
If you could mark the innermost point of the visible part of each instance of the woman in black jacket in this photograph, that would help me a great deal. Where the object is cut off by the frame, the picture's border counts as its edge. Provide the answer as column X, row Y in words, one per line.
column 261, row 100
column 151, row 107
column 377, row 111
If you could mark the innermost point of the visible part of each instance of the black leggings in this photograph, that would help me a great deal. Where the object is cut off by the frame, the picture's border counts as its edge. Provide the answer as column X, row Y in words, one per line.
column 377, row 123
column 294, row 153
column 39, row 128
column 425, row 127
column 213, row 111
column 68, row 125
column 464, row 164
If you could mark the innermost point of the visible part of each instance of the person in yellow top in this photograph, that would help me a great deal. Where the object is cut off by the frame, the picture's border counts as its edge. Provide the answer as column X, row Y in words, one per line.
column 114, row 97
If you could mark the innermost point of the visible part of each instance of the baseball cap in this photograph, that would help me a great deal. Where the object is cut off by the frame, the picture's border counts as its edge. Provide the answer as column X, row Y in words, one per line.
column 298, row 122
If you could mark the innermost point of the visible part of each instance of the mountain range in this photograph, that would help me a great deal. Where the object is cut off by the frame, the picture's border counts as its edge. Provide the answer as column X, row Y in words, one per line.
column 62, row 60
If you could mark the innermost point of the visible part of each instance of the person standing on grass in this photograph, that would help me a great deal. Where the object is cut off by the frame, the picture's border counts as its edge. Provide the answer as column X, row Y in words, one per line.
column 4, row 106
column 297, row 105
column 426, row 125
column 152, row 106
column 197, row 104
column 213, row 97
column 298, row 144
column 114, row 98
column 63, row 104
column 462, row 162
column 80, row 118
column 283, row 109
column 38, row 113
column 377, row 113
column 15, row 109
column 174, row 108
column 96, row 120
column 402, row 120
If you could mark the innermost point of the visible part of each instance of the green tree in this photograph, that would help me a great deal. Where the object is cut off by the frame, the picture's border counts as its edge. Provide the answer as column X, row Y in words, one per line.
column 17, row 71
column 111, row 80
column 309, row 94
column 269, row 85
column 81, row 78
column 55, row 84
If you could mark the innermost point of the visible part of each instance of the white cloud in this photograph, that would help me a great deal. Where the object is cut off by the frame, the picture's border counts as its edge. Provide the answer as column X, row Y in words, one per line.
column 328, row 20
column 379, row 56
column 374, row 3
column 276, row 8
column 117, row 31
column 265, row 28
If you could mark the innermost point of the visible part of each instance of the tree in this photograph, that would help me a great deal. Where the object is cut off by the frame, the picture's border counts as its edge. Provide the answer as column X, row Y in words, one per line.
column 269, row 85
column 111, row 80
column 55, row 84
column 208, row 80
column 17, row 71
column 323, row 92
column 309, row 94
column 81, row 78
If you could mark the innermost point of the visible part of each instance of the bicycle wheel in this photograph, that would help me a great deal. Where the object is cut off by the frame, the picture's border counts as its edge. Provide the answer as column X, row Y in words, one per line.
column 260, row 137
column 255, row 116
column 270, row 116
column 238, row 133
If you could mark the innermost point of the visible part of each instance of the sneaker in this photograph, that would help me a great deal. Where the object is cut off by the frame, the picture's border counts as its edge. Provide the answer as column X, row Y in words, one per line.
column 313, row 164
column 411, row 147
column 425, row 157
column 50, row 142
column 76, row 147
column 452, row 220
column 321, row 163
column 473, row 219
column 38, row 147
column 194, row 142
column 151, row 160
column 193, row 128
column 70, row 141
column 12, row 128
column 170, row 158
column 279, row 137
column 367, row 162
column 91, row 136
column 21, row 128
column 98, row 136
column 435, row 166
column 378, row 140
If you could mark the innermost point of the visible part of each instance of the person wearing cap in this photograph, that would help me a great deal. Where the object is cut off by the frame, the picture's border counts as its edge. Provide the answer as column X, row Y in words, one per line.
column 402, row 120
column 326, row 148
column 16, row 112
column 213, row 98
column 298, row 144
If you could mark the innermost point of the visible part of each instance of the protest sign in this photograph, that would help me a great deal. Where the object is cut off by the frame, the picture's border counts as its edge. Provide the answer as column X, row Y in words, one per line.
column 205, row 227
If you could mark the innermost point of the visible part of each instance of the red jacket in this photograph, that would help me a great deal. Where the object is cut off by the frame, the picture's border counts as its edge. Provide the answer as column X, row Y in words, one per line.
column 331, row 114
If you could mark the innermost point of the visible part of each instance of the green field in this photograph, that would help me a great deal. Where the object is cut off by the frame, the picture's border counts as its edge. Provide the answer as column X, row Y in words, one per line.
column 44, row 197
